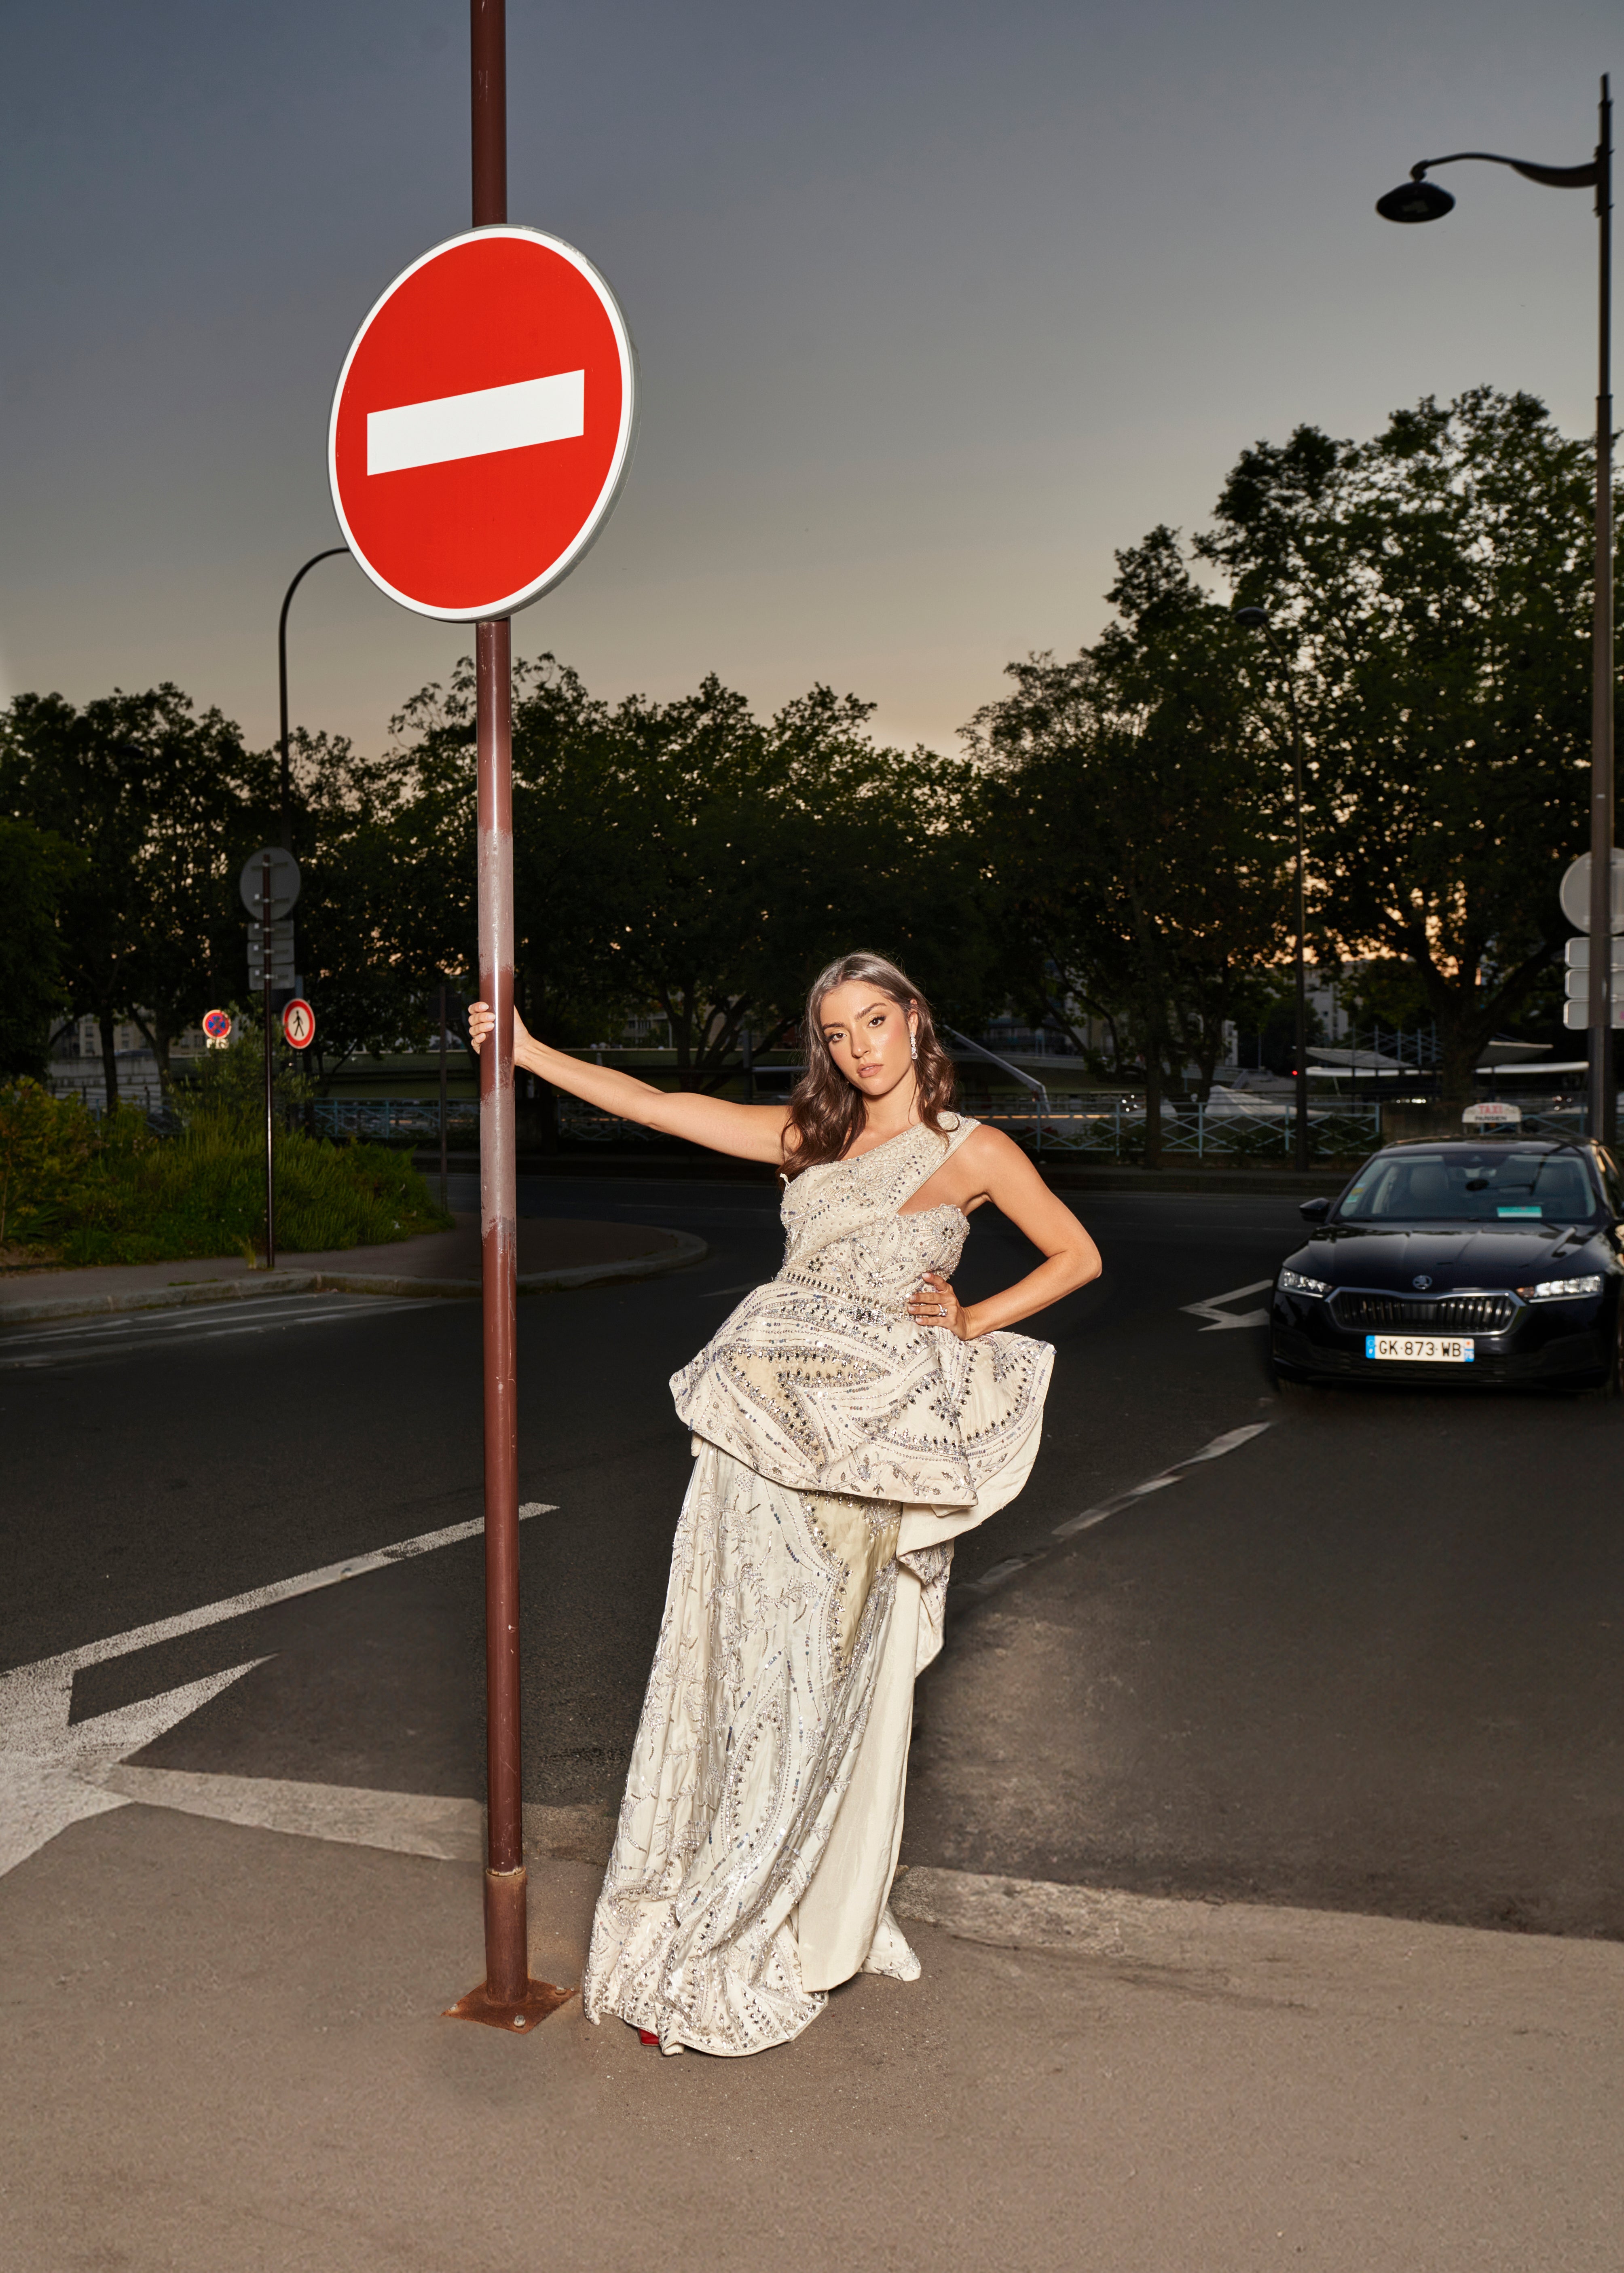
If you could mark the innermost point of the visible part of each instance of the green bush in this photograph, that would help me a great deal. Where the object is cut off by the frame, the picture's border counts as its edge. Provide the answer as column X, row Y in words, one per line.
column 75, row 1191
column 48, row 1163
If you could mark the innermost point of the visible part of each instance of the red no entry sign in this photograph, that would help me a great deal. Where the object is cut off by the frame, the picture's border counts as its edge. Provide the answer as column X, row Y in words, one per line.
column 298, row 1023
column 483, row 423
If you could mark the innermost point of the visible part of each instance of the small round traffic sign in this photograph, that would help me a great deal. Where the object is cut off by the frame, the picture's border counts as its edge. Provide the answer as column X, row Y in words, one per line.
column 284, row 882
column 1574, row 891
column 298, row 1023
column 217, row 1025
column 483, row 423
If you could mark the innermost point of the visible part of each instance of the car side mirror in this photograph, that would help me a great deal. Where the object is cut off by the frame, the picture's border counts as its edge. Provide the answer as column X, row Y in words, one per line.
column 1314, row 1211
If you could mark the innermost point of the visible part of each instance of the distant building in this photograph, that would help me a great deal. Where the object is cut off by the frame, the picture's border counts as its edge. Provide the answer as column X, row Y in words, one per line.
column 75, row 1067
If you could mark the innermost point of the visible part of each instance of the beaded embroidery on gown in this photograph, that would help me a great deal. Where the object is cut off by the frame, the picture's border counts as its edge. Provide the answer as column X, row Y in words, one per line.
column 838, row 1448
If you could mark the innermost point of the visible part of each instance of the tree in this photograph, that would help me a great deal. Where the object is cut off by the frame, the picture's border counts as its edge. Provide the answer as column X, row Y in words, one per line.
column 1435, row 586
column 1134, row 809
column 36, row 869
column 161, row 805
column 688, row 859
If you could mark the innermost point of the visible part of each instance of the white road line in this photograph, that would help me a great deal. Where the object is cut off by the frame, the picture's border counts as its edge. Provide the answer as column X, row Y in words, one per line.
column 1230, row 1441
column 473, row 425
column 145, row 1323
column 113, row 1337
column 49, row 1762
column 1223, row 1321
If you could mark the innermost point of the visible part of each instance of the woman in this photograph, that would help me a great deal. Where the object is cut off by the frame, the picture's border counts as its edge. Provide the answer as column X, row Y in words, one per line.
column 849, row 1420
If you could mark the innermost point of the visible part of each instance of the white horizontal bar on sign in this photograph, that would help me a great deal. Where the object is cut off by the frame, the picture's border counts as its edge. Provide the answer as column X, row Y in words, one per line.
column 552, row 410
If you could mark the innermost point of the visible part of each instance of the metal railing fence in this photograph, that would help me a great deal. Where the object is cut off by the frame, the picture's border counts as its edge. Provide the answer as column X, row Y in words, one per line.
column 1072, row 1127
column 394, row 1119
column 1082, row 1127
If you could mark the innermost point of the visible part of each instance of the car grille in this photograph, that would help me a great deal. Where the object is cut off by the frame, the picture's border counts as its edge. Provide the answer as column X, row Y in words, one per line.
column 1456, row 1314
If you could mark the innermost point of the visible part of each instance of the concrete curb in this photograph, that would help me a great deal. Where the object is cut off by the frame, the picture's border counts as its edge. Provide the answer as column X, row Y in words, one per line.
column 687, row 1249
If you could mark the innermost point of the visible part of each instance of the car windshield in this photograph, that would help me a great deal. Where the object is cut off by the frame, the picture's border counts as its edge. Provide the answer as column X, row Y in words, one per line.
column 1502, row 1184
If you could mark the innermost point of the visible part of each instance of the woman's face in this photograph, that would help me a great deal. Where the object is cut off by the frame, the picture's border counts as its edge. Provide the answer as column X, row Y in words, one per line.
column 869, row 1036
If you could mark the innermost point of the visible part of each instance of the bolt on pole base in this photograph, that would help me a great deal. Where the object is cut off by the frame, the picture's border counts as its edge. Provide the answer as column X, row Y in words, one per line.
column 508, row 1998
column 521, row 2017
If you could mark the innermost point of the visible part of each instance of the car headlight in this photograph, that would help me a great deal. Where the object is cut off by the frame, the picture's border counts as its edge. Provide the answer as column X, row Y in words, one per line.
column 1557, row 1290
column 1295, row 1282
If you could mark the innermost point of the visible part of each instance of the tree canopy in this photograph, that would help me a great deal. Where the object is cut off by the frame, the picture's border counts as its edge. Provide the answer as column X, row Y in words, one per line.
column 1113, row 844
column 161, row 804
column 1136, row 821
column 1433, row 585
column 689, row 858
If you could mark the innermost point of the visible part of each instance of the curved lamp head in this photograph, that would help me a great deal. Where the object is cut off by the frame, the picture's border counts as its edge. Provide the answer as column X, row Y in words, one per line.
column 1415, row 200
column 1251, row 616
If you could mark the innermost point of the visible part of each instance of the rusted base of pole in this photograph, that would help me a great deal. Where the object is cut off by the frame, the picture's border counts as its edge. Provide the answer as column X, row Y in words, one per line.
column 508, row 1998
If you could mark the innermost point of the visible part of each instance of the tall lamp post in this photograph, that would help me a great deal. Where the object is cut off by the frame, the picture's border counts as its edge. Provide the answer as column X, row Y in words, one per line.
column 1258, row 618
column 1418, row 200
column 282, row 683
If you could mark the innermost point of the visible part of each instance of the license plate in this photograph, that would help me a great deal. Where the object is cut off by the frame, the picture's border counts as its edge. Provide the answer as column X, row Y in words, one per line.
column 1422, row 1349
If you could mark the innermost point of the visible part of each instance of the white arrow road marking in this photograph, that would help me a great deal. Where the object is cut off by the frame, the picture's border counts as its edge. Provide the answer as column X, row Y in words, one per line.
column 552, row 410
column 1223, row 1319
column 49, row 1763
column 401, row 1822
column 43, row 1762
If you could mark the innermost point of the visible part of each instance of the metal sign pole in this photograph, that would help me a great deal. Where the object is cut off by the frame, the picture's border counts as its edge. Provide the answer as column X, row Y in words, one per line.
column 269, row 951
column 1603, row 1099
column 508, row 1998
column 442, row 1096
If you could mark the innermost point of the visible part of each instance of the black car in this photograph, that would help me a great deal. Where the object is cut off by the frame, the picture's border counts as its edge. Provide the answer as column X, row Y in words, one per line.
column 1478, row 1263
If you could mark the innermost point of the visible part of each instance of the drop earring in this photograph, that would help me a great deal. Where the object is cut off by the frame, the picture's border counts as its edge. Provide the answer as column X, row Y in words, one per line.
column 913, row 1044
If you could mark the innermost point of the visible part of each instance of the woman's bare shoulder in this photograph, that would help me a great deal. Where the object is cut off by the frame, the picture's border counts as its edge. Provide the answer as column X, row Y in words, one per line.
column 990, row 1149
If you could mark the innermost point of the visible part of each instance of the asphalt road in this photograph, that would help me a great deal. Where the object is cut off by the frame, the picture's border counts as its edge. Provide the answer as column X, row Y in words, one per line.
column 1368, row 1659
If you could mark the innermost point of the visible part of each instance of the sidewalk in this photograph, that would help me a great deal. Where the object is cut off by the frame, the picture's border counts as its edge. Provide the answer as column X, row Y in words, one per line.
column 223, row 2054
column 552, row 1253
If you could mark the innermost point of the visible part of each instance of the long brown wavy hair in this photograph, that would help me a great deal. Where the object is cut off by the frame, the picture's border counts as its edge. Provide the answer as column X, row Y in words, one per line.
column 825, row 1109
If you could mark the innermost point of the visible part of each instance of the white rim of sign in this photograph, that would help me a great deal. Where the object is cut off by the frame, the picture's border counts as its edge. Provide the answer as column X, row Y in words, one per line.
column 620, row 465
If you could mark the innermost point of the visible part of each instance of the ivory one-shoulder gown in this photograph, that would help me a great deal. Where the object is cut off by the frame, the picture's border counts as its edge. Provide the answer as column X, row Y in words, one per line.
column 840, row 1448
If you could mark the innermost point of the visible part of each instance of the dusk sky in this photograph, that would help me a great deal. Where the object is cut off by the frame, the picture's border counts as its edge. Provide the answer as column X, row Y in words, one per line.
column 936, row 306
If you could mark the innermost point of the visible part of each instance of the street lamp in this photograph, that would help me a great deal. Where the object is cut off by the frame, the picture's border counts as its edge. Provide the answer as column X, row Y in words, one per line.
column 1418, row 200
column 281, row 679
column 1257, row 619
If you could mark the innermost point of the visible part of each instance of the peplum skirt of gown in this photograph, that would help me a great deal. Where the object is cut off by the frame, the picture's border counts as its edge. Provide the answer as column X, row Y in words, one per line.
column 763, row 1815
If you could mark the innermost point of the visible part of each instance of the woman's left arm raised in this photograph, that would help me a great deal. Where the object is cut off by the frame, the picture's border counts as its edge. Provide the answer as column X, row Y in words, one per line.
column 991, row 1167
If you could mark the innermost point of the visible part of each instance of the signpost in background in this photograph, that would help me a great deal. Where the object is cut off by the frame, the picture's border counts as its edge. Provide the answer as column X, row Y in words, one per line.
column 481, row 431
column 269, row 886
column 1582, row 956
column 442, row 1096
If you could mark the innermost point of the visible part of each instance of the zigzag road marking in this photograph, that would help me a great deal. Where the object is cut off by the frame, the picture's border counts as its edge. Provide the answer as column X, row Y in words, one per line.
column 1224, row 1321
